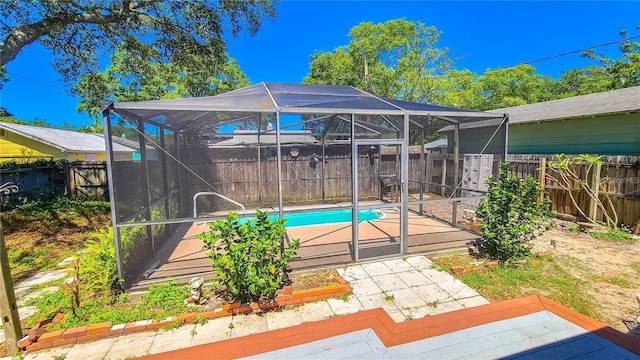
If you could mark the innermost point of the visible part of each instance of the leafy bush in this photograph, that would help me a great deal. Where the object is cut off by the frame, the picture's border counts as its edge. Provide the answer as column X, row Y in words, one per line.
column 510, row 216
column 99, row 267
column 248, row 258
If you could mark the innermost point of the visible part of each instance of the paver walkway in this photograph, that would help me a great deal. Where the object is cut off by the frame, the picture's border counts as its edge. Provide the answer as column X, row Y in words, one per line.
column 406, row 288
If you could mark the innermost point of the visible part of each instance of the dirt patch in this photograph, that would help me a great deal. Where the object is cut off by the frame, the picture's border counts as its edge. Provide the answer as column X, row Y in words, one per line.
column 610, row 269
column 309, row 280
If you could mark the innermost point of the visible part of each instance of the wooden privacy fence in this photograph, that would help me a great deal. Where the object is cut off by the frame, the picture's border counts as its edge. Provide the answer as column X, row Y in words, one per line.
column 72, row 179
column 620, row 180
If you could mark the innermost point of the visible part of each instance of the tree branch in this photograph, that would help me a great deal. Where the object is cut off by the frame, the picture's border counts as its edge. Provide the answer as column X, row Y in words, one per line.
column 26, row 34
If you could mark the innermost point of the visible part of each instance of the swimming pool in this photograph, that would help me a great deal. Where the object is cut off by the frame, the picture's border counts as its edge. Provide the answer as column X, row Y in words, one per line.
column 323, row 217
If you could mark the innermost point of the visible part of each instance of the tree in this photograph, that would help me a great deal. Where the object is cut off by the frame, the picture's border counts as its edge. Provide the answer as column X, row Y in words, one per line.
column 138, row 76
column 622, row 72
column 395, row 59
column 496, row 88
column 76, row 31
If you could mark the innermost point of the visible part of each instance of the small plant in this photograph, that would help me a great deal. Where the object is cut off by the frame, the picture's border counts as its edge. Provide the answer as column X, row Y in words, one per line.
column 618, row 234
column 165, row 296
column 575, row 228
column 344, row 297
column 99, row 267
column 388, row 298
column 249, row 258
column 172, row 325
column 510, row 216
column 230, row 326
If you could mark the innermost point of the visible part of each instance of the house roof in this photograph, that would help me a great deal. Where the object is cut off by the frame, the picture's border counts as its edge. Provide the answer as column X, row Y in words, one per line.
column 609, row 102
column 64, row 140
column 597, row 104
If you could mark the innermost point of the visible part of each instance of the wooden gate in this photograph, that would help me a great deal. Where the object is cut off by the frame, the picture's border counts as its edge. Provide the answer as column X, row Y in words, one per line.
column 87, row 179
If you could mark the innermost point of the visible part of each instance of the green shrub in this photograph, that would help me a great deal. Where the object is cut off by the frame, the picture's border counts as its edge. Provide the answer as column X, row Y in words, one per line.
column 99, row 267
column 249, row 258
column 510, row 216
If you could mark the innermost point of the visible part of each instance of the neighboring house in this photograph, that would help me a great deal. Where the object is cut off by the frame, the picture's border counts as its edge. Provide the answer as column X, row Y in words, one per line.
column 250, row 137
column 24, row 143
column 606, row 123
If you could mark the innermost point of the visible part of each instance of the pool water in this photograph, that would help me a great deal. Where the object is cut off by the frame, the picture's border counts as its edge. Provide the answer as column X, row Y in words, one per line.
column 323, row 217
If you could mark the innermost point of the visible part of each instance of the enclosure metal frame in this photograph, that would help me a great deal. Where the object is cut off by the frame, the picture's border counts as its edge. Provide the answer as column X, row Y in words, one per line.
column 129, row 110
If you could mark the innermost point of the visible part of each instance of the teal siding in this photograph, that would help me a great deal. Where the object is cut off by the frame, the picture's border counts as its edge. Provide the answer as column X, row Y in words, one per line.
column 604, row 135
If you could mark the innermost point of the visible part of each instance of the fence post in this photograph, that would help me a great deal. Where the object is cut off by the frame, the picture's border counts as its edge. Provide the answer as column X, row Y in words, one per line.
column 542, row 175
column 71, row 180
column 593, row 184
column 443, row 180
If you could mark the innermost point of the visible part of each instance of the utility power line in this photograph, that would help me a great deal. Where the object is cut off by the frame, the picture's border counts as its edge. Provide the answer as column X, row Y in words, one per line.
column 498, row 68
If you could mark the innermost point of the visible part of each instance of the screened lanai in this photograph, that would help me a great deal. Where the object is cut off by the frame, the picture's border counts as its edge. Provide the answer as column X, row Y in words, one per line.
column 350, row 172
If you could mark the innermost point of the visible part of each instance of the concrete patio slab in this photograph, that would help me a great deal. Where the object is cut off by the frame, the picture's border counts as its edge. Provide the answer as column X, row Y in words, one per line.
column 378, row 301
column 283, row 318
column 49, row 353
column 173, row 339
column 365, row 287
column 351, row 273
column 248, row 324
column 341, row 307
column 90, row 350
column 315, row 311
column 132, row 345
column 389, row 282
column 473, row 301
column 376, row 268
column 44, row 277
column 457, row 289
column 214, row 330
column 398, row 265
column 414, row 278
column 437, row 276
column 407, row 299
column 431, row 293
column 420, row 262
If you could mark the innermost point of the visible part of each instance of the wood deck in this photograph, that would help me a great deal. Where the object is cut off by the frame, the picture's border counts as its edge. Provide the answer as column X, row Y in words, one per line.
column 182, row 257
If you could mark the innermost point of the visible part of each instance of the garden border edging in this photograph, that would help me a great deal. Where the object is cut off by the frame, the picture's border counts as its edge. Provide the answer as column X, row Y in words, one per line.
column 38, row 338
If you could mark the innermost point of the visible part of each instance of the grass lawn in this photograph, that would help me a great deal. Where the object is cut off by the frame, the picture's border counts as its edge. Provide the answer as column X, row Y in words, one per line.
column 545, row 275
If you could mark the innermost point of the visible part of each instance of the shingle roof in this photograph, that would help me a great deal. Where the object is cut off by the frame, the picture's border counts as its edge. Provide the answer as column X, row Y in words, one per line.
column 603, row 103
column 614, row 101
column 65, row 140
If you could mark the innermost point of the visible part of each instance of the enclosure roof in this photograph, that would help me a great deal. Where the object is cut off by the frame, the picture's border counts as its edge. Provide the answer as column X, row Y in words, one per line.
column 64, row 140
column 288, row 99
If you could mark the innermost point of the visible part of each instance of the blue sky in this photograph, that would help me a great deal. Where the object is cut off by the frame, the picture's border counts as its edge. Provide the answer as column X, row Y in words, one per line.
column 479, row 35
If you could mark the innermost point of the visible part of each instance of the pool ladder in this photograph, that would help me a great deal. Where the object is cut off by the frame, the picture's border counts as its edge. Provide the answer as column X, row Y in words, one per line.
column 197, row 195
